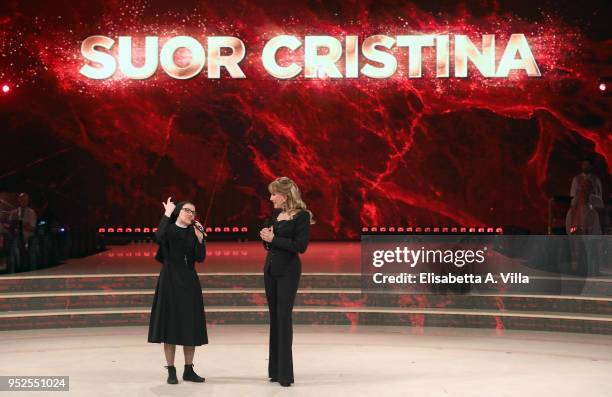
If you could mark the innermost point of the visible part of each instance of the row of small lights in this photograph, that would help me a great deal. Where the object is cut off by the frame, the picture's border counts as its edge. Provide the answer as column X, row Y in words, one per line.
column 152, row 253
column 218, row 229
column 428, row 229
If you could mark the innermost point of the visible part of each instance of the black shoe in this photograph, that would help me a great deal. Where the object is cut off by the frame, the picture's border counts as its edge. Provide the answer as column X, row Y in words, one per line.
column 172, row 375
column 190, row 375
column 285, row 384
column 273, row 380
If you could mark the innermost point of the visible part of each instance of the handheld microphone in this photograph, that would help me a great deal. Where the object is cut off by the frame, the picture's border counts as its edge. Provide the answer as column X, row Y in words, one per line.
column 198, row 226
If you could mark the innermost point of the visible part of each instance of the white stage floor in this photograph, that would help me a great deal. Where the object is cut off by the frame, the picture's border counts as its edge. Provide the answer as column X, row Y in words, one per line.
column 328, row 361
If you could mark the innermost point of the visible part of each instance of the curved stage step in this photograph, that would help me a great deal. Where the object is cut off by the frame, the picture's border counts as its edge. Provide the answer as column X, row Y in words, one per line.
column 66, row 301
column 465, row 318
column 84, row 299
column 541, row 285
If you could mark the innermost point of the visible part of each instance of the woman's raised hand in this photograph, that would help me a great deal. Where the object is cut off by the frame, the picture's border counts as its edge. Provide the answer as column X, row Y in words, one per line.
column 169, row 206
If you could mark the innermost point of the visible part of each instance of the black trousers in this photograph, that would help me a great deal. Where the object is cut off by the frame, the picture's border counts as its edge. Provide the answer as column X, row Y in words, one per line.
column 280, row 293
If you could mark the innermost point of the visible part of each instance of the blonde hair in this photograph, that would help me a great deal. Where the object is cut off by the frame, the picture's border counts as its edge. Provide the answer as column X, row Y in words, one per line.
column 289, row 189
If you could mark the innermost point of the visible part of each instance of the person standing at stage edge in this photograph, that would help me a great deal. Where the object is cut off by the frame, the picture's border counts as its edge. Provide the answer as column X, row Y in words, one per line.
column 285, row 236
column 177, row 315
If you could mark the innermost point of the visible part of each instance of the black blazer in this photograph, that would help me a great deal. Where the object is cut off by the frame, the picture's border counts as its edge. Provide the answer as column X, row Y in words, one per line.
column 290, row 239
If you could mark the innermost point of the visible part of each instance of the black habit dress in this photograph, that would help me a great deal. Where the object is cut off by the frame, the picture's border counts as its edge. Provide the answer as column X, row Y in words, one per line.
column 177, row 315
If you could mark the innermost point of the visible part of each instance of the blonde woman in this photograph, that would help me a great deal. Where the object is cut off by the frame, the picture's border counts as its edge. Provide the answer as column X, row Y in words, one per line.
column 285, row 239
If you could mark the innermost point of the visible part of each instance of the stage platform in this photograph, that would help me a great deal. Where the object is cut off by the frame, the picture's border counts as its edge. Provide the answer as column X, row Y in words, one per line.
column 232, row 257
column 328, row 361
column 115, row 288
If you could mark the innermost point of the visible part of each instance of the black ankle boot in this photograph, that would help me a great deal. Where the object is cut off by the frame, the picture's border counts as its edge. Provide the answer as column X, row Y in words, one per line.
column 172, row 375
column 190, row 375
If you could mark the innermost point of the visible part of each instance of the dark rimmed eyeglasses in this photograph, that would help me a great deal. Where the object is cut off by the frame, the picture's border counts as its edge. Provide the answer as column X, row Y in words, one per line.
column 189, row 211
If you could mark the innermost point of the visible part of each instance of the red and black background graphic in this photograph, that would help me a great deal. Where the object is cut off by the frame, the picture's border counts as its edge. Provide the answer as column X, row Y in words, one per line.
column 431, row 151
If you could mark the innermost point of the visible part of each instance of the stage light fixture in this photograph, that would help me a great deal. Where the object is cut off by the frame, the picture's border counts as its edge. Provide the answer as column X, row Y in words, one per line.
column 603, row 86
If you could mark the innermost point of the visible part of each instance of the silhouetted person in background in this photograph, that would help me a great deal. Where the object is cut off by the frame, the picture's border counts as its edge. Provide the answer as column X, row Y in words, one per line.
column 23, row 225
column 583, row 219
column 579, row 183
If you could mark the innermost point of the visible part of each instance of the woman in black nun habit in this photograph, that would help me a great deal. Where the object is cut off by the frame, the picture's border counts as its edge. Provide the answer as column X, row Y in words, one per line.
column 177, row 315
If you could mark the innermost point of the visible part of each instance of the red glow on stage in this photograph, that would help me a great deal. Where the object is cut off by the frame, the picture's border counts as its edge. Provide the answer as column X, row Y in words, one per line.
column 445, row 151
